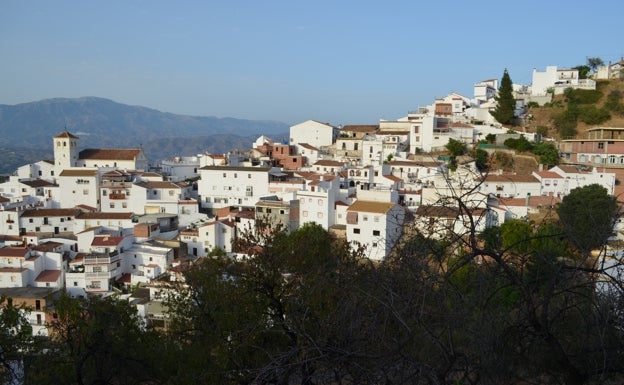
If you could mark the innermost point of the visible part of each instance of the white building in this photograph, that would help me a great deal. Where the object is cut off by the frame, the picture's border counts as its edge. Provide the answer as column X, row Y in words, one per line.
column 511, row 186
column 314, row 133
column 222, row 186
column 558, row 80
column 78, row 186
column 181, row 168
column 121, row 221
column 53, row 221
column 200, row 241
column 44, row 169
column 375, row 225
column 317, row 201
column 574, row 177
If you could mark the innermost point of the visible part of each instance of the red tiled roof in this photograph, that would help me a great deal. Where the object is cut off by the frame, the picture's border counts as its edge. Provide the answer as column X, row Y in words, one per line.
column 101, row 215
column 360, row 127
column 66, row 134
column 534, row 201
column 109, row 154
column 371, row 207
column 13, row 252
column 106, row 241
column 393, row 178
column 78, row 172
column 548, row 174
column 308, row 146
column 511, row 178
column 48, row 276
column 328, row 162
column 37, row 183
column 50, row 213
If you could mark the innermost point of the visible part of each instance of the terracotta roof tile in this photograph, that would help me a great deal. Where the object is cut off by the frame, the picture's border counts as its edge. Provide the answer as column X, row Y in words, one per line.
column 109, row 154
column 371, row 206
column 66, row 134
column 48, row 276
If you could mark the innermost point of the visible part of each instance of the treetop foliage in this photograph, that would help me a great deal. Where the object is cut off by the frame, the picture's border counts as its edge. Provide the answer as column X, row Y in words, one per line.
column 505, row 102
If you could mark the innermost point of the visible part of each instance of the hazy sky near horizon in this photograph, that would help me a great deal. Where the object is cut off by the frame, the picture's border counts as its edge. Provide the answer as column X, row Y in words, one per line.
column 341, row 62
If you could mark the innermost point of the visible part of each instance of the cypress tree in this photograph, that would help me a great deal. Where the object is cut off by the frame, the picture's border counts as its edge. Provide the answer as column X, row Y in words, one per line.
column 504, row 111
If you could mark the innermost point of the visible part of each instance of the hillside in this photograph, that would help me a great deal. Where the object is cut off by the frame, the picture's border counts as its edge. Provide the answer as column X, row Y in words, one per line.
column 545, row 116
column 26, row 130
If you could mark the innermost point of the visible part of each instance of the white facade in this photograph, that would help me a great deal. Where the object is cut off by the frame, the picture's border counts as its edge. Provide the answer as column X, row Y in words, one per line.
column 573, row 178
column 317, row 202
column 215, row 234
column 180, row 168
column 43, row 169
column 511, row 186
column 78, row 186
column 375, row 225
column 65, row 151
column 53, row 221
column 314, row 133
column 222, row 186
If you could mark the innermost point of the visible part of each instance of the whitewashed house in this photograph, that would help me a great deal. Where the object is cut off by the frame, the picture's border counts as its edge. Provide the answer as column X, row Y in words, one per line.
column 181, row 168
column 317, row 201
column 222, row 186
column 78, row 186
column 574, row 177
column 314, row 133
column 54, row 221
column 375, row 225
column 43, row 169
column 511, row 185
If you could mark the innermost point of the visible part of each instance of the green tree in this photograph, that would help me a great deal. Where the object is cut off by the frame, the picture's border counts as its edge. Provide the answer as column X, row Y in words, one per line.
column 587, row 216
column 548, row 153
column 98, row 341
column 583, row 71
column 490, row 138
column 16, row 341
column 456, row 148
column 594, row 63
column 481, row 159
column 505, row 102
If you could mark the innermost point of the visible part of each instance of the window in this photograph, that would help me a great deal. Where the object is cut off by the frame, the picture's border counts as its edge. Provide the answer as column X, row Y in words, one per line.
column 601, row 145
column 30, row 220
column 171, row 192
column 377, row 217
column 249, row 176
column 374, row 244
column 85, row 192
column 376, row 233
column 103, row 193
column 249, row 191
column 224, row 175
column 305, row 213
column 112, row 205
column 319, row 215
column 356, row 231
column 365, row 218
column 97, row 269
column 75, row 283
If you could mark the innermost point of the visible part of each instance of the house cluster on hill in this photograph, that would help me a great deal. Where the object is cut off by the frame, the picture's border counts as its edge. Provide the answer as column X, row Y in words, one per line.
column 97, row 221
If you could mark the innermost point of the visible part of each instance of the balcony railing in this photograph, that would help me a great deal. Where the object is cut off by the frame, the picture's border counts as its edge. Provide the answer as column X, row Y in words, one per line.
column 117, row 196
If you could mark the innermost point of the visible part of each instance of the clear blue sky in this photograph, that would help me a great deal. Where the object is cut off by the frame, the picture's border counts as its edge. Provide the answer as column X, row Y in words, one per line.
column 341, row 62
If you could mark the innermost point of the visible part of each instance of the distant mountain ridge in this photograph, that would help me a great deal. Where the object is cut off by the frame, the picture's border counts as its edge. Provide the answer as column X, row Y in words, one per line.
column 103, row 123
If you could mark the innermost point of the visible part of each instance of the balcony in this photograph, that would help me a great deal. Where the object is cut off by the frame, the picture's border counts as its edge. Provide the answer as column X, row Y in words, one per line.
column 117, row 196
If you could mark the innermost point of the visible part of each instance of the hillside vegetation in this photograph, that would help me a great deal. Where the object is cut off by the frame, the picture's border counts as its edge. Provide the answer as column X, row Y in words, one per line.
column 571, row 114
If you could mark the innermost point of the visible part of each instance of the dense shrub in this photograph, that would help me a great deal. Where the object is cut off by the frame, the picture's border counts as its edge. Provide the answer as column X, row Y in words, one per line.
column 593, row 115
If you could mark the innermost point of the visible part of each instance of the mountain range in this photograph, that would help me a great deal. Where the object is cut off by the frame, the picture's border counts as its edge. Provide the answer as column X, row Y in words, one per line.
column 26, row 130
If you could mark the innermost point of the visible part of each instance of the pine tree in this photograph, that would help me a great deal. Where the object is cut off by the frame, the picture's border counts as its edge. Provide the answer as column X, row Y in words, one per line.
column 504, row 111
